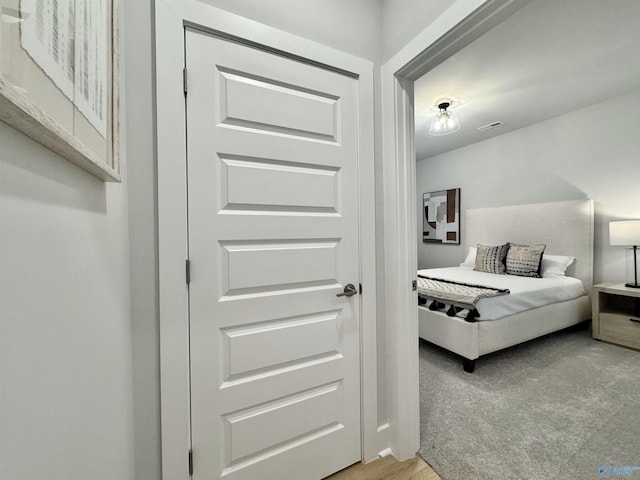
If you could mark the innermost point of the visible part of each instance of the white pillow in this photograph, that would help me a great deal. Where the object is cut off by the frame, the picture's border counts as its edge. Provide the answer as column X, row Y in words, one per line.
column 470, row 261
column 555, row 265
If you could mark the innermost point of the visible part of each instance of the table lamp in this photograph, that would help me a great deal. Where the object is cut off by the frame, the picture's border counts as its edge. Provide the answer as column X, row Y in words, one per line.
column 627, row 233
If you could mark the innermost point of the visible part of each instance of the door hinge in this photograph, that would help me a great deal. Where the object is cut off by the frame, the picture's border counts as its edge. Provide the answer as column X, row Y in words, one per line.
column 191, row 463
column 188, row 270
column 184, row 80
column 360, row 288
column 414, row 285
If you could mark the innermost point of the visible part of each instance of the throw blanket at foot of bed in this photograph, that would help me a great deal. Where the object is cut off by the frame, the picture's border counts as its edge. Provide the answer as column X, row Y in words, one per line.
column 458, row 296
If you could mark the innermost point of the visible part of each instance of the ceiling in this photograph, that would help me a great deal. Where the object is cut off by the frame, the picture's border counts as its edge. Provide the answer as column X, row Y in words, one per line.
column 549, row 58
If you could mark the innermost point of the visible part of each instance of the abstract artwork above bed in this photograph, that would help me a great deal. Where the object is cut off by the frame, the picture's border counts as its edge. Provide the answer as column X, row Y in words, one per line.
column 441, row 217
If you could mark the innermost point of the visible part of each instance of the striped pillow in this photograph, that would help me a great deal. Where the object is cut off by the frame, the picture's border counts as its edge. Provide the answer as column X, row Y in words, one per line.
column 524, row 260
column 490, row 259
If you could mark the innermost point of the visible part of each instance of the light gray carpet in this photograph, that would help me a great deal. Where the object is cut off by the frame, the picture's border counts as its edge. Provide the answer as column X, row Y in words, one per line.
column 558, row 407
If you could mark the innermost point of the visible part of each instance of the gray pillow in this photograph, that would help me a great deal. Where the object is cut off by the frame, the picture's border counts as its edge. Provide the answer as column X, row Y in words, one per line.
column 491, row 259
column 524, row 260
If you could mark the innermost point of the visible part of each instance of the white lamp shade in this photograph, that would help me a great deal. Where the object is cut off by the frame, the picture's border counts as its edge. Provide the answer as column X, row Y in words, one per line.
column 625, row 232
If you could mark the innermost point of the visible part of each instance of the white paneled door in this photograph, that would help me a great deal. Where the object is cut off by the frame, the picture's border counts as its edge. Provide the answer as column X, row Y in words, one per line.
column 273, row 239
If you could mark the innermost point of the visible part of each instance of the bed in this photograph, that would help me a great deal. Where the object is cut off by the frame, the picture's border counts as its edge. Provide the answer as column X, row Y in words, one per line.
column 566, row 228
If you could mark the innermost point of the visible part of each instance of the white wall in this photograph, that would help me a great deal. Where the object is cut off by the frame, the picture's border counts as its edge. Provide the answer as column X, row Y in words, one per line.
column 403, row 20
column 65, row 333
column 352, row 26
column 573, row 156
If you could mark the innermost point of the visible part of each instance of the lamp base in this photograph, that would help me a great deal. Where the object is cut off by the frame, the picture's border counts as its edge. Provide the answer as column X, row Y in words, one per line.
column 632, row 285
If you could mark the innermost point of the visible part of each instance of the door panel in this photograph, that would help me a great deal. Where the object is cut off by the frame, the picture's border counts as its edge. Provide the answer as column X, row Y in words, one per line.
column 267, row 105
column 248, row 350
column 273, row 237
column 303, row 187
column 259, row 266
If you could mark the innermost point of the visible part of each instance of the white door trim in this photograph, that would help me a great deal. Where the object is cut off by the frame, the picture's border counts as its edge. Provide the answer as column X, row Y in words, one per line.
column 461, row 24
column 170, row 18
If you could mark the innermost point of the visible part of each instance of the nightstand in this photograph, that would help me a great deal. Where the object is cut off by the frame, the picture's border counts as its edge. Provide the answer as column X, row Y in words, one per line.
column 616, row 314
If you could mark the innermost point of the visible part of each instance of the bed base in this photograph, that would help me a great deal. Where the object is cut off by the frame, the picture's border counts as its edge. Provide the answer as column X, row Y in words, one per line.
column 472, row 340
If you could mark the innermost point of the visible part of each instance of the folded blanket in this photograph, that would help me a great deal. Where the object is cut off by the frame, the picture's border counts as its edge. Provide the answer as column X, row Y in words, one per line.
column 458, row 296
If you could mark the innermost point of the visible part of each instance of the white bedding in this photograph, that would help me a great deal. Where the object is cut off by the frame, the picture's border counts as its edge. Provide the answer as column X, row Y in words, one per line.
column 526, row 293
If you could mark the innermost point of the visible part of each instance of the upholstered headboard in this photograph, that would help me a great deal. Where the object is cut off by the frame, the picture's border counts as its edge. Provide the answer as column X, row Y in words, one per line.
column 565, row 227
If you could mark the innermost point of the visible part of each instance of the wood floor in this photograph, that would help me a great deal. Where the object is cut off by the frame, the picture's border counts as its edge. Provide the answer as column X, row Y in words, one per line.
column 388, row 468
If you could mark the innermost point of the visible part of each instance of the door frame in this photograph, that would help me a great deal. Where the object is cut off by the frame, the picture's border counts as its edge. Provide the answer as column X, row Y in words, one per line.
column 171, row 16
column 457, row 27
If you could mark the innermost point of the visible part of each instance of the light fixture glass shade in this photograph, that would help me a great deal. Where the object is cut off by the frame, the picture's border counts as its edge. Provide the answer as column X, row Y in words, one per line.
column 445, row 121
column 632, row 261
column 625, row 232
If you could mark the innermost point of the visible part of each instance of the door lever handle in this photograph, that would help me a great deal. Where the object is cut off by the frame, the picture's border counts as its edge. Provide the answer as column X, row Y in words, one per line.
column 349, row 291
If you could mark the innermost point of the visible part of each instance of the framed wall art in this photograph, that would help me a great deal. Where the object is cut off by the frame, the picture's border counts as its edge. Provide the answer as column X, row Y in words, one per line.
column 441, row 217
column 58, row 78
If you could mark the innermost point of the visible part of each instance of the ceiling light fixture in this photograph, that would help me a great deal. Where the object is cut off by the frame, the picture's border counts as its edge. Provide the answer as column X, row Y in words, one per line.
column 445, row 121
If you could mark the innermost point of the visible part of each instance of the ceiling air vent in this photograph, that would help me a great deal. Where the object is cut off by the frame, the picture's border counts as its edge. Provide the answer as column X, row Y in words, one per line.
column 489, row 126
